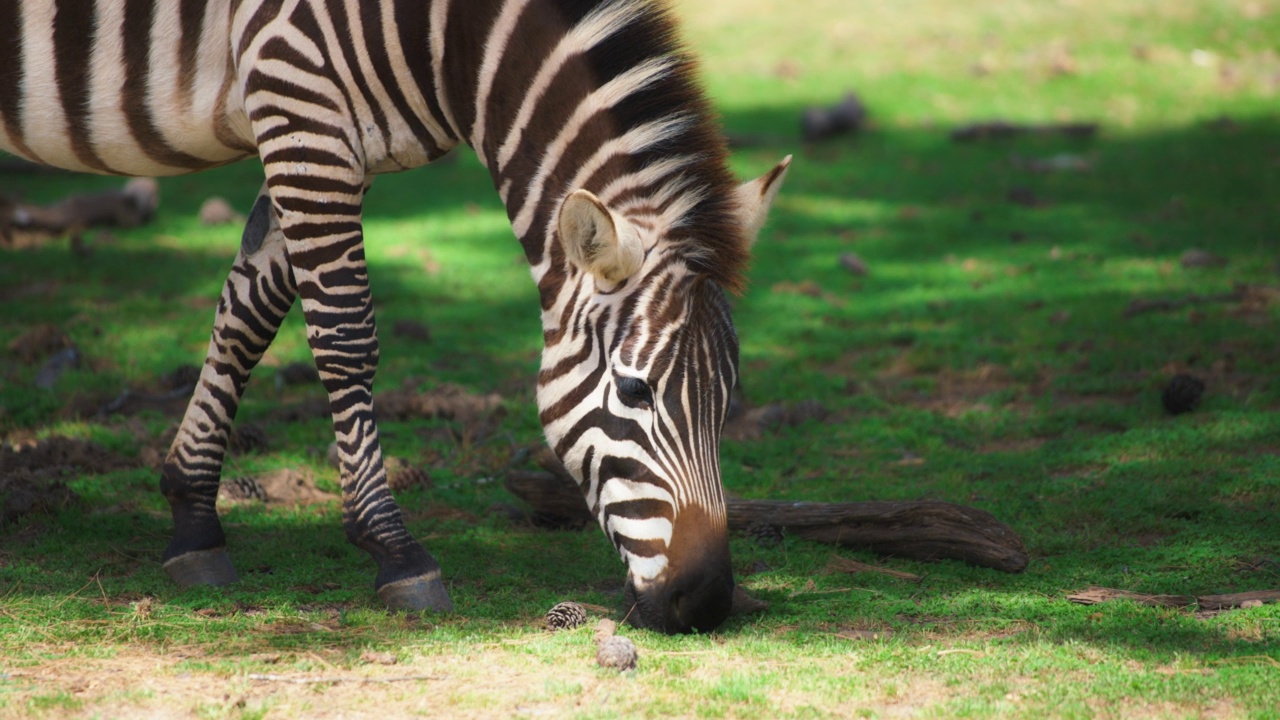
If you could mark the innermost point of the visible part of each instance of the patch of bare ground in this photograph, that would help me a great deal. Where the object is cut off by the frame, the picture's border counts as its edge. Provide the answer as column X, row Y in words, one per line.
column 1135, row 709
column 954, row 392
column 491, row 680
column 34, row 473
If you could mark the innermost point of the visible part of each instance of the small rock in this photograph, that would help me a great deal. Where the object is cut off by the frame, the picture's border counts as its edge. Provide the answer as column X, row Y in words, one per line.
column 216, row 211
column 854, row 264
column 1182, row 394
column 618, row 653
column 605, row 629
column 847, row 116
column 566, row 616
column 1196, row 258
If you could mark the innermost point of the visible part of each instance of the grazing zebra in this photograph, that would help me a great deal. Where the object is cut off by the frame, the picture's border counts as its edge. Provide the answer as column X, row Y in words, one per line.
column 603, row 150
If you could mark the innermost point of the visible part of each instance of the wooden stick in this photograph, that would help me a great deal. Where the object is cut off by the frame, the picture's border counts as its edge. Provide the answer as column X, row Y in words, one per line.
column 1095, row 595
column 921, row 530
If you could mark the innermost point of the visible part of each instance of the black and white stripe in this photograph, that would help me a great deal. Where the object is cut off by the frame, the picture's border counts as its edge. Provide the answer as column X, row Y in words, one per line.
column 601, row 146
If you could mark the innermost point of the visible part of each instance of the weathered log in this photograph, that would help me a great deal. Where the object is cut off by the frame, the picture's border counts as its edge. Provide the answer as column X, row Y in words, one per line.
column 921, row 530
column 557, row 503
column 130, row 206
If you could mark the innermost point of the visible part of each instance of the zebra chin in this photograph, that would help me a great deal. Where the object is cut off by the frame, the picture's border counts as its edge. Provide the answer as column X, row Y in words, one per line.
column 692, row 593
column 695, row 601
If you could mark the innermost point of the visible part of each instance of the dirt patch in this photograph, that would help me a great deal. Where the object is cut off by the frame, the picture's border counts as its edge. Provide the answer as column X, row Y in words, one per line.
column 34, row 474
column 38, row 342
column 954, row 392
column 753, row 423
column 59, row 454
column 450, row 402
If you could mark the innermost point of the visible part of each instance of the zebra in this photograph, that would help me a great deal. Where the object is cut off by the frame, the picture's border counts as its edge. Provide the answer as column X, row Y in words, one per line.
column 590, row 120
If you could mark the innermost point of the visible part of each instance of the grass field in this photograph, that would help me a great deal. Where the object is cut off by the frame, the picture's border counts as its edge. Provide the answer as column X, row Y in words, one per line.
column 985, row 358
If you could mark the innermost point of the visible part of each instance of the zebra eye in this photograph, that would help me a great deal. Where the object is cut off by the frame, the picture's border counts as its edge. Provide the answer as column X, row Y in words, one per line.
column 633, row 391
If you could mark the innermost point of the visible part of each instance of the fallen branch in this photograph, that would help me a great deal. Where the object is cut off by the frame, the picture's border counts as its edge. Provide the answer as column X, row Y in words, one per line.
column 130, row 206
column 1139, row 306
column 921, row 530
column 1095, row 595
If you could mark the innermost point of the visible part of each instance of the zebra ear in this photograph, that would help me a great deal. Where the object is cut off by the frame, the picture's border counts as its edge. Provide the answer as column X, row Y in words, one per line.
column 756, row 196
column 598, row 240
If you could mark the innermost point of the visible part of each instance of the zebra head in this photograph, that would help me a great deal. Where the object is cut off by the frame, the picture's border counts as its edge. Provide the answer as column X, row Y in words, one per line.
column 640, row 359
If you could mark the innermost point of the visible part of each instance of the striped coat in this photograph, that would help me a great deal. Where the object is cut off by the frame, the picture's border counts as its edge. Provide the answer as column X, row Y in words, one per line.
column 600, row 144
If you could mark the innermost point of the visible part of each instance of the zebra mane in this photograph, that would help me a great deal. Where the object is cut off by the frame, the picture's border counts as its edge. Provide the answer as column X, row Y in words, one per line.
column 602, row 95
column 697, row 201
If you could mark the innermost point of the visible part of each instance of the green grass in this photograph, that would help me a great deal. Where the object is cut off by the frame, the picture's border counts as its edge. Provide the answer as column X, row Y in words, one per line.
column 988, row 340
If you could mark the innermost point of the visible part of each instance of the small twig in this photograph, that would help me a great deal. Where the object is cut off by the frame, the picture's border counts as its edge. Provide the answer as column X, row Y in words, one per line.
column 1247, row 659
column 66, row 599
column 820, row 592
column 628, row 615
column 850, row 566
column 97, row 577
column 953, row 651
column 321, row 660
column 323, row 680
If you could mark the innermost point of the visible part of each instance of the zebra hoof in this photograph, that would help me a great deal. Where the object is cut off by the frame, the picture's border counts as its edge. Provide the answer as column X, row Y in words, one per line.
column 202, row 567
column 424, row 592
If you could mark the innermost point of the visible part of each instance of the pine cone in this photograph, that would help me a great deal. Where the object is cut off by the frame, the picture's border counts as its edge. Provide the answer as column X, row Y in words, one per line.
column 247, row 438
column 765, row 535
column 242, row 488
column 566, row 616
column 618, row 653
column 1182, row 394
column 402, row 475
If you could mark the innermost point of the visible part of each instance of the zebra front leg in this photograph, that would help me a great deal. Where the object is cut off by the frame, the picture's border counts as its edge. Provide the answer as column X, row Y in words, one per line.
column 327, row 253
column 258, row 294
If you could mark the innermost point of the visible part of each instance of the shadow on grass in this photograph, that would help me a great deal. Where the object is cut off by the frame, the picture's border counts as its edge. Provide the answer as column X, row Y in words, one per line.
column 960, row 277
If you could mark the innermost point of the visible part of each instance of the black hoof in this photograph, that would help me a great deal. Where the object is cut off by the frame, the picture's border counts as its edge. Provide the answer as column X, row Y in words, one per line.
column 424, row 592
column 202, row 567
